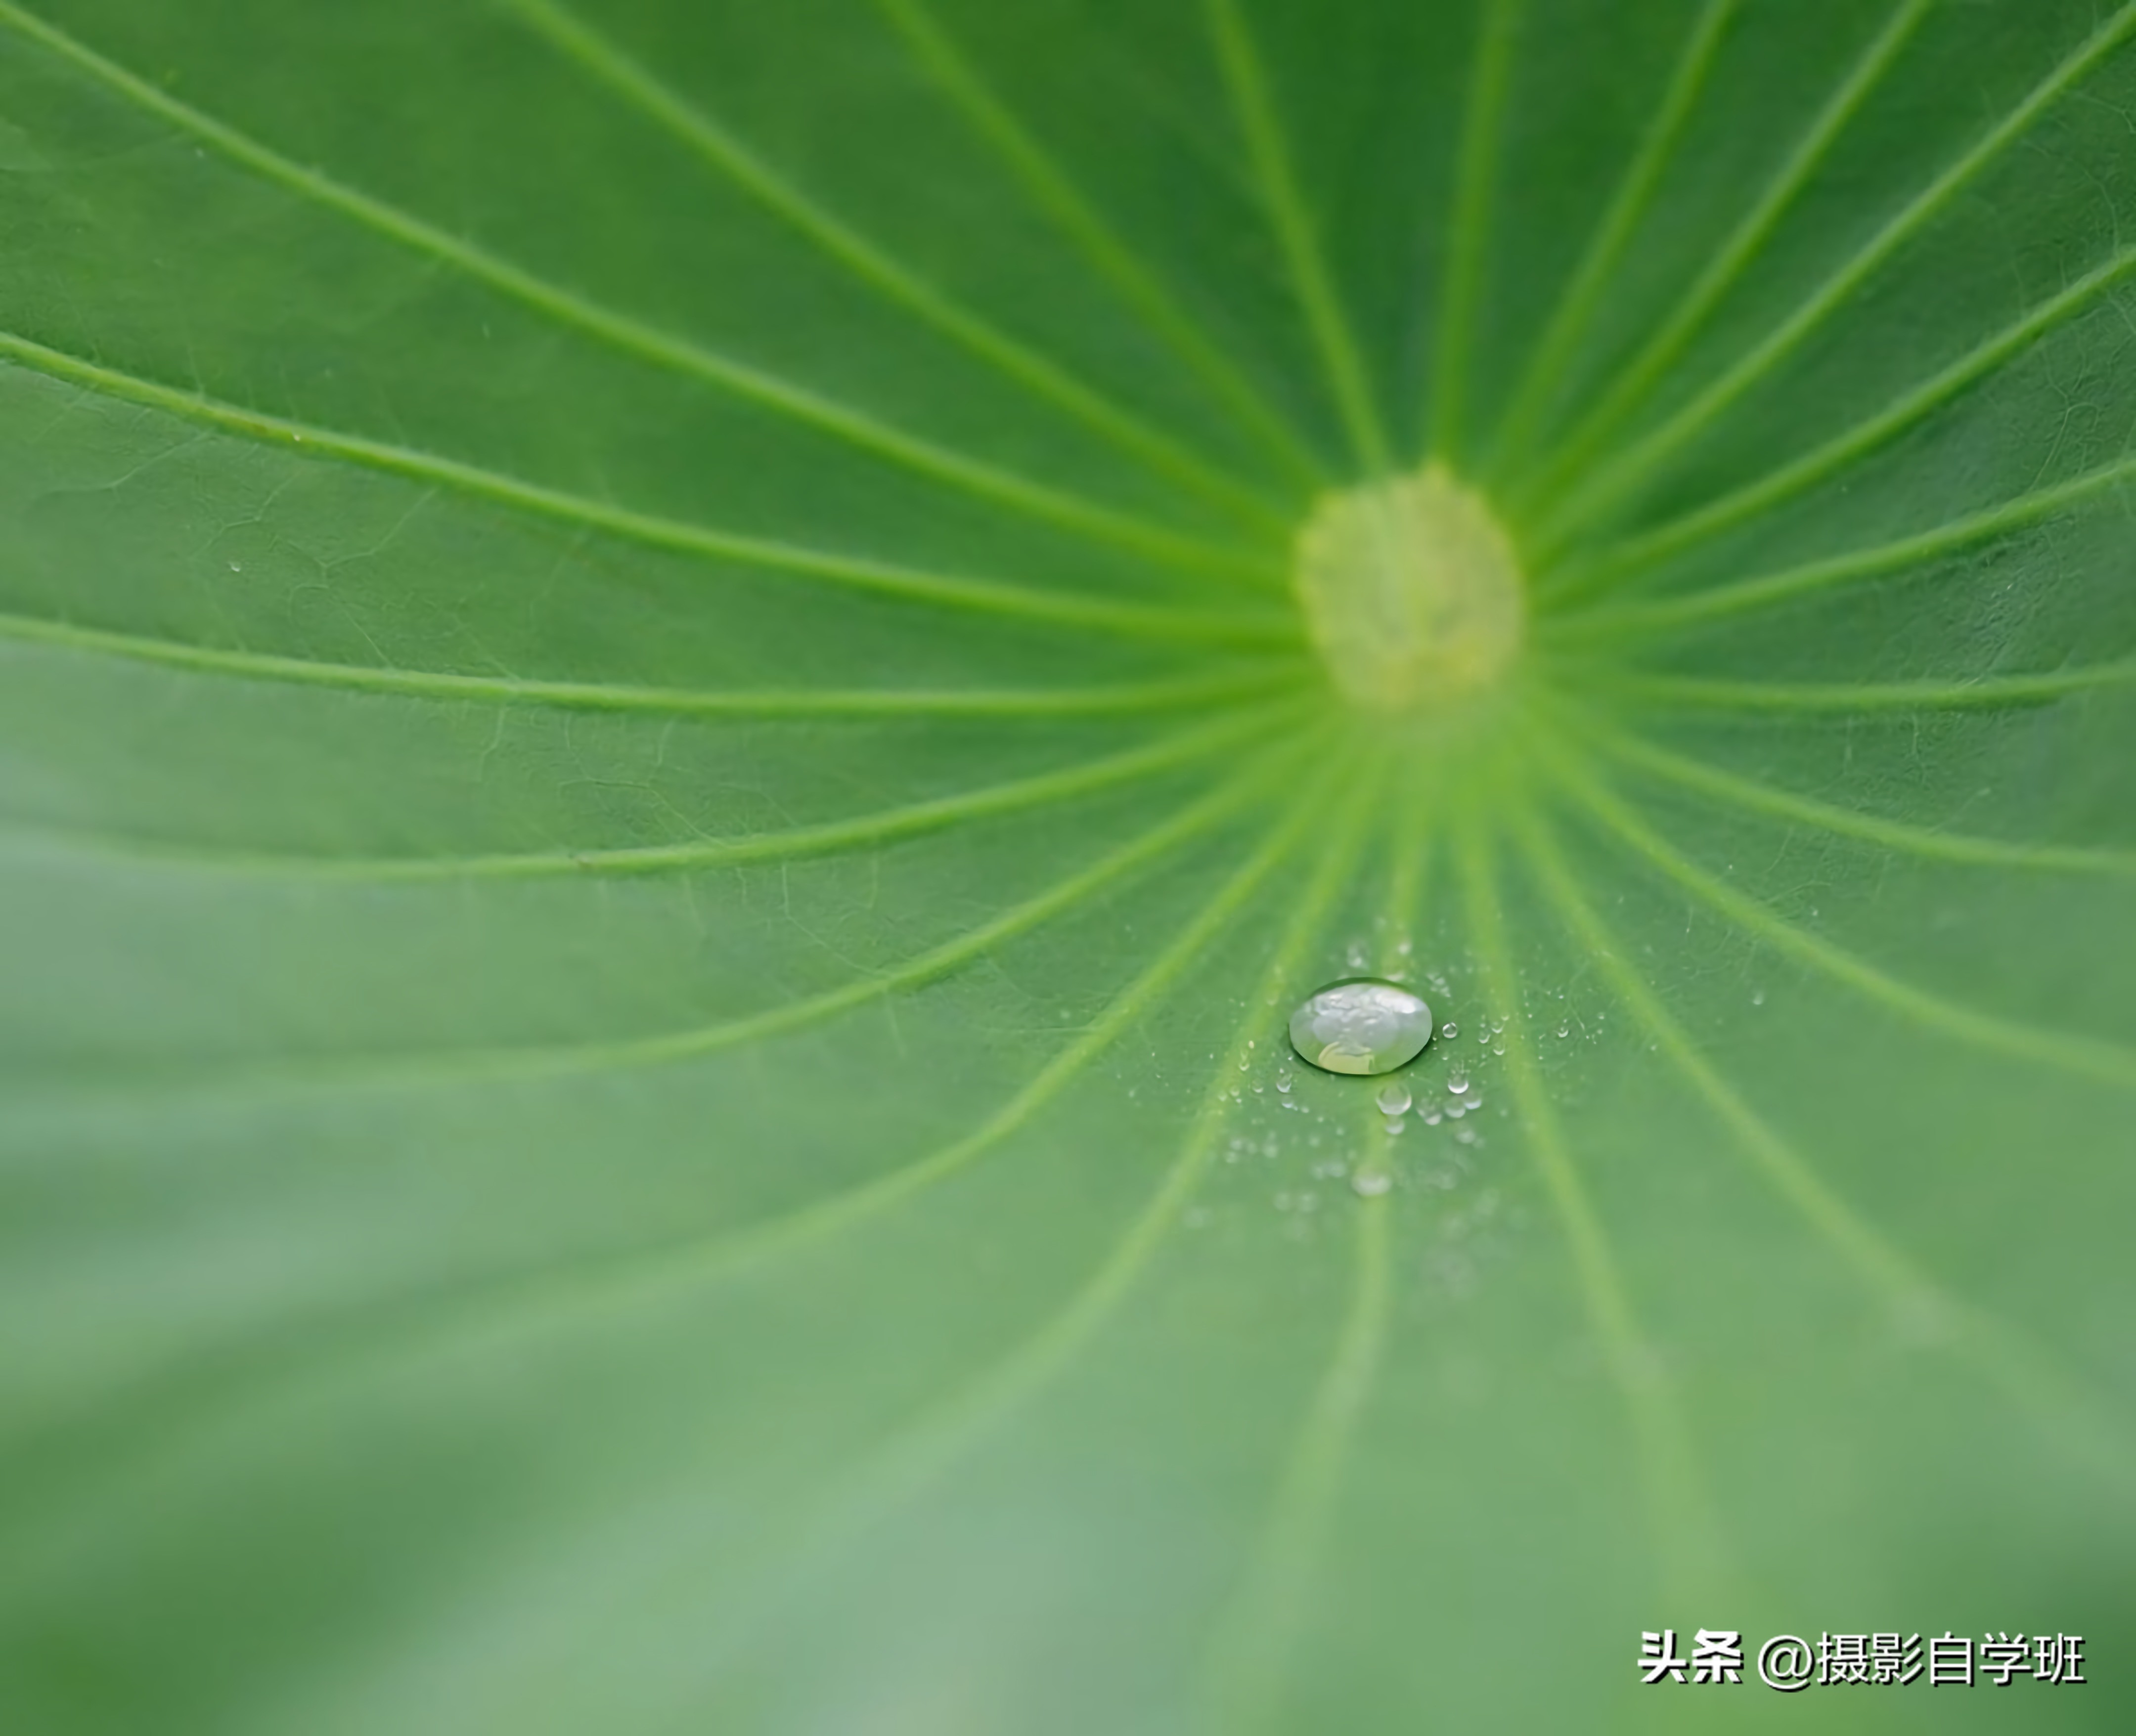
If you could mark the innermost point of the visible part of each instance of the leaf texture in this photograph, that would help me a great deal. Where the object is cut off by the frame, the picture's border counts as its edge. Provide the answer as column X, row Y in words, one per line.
column 662, row 797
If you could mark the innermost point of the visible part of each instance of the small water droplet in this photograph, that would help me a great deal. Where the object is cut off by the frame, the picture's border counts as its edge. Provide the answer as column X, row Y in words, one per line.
column 1457, row 1082
column 1454, row 1112
column 1497, row 1048
column 1282, row 1081
column 1363, row 1025
column 1757, row 997
column 1450, row 1029
column 1564, row 1030
column 1371, row 1183
column 1432, row 1117
column 1472, row 1102
column 1394, row 1124
column 1393, row 1099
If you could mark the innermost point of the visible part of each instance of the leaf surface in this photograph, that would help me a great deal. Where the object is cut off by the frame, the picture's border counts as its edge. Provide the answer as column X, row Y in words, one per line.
column 663, row 799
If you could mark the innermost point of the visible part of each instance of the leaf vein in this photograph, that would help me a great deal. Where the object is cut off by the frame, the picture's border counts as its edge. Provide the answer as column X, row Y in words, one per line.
column 678, row 536
column 648, row 344
column 1247, row 81
column 607, row 63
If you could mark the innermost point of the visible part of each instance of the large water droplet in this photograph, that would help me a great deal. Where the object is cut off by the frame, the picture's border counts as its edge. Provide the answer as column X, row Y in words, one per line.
column 1361, row 1026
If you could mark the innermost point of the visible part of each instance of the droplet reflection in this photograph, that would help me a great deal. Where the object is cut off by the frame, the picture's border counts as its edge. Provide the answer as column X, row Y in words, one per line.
column 1361, row 1026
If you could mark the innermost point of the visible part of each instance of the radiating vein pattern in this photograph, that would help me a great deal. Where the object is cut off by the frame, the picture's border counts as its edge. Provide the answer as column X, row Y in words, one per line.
column 666, row 1048
column 951, row 590
column 930, row 1444
column 1981, row 693
column 2066, row 1051
column 1057, row 195
column 1621, row 395
column 1569, row 319
column 702, row 132
column 869, row 831
column 1672, row 1483
column 1468, row 238
column 540, row 1302
column 1917, row 1305
column 1276, row 178
column 1250, row 1656
column 1901, row 555
column 1704, row 778
column 662, row 789
column 1742, row 504
column 648, row 344
column 506, row 690
column 1624, row 471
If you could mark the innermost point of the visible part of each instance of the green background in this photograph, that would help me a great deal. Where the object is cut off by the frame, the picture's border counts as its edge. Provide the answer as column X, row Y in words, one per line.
column 660, row 801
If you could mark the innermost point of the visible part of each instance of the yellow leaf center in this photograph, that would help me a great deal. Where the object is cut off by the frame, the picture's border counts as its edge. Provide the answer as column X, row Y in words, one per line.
column 1411, row 590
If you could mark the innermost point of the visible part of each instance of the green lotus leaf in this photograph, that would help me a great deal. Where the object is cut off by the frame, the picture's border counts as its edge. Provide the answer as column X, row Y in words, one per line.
column 686, row 691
